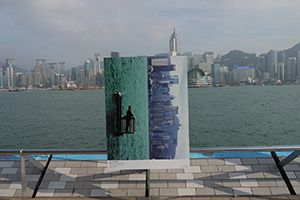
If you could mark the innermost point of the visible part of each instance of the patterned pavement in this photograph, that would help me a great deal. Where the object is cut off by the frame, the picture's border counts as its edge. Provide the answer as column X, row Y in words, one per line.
column 213, row 178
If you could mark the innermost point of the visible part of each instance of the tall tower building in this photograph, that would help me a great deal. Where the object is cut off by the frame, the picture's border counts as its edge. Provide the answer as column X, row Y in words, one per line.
column 10, row 76
column 1, row 77
column 86, row 67
column 96, row 63
column 114, row 54
column 298, row 64
column 291, row 68
column 62, row 67
column 174, row 44
column 74, row 74
column 272, row 63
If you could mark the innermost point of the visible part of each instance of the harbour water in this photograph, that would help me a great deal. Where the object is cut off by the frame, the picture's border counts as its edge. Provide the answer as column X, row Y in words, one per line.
column 219, row 116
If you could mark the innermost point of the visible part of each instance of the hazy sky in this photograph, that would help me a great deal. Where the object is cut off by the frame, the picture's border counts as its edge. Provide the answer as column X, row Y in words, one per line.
column 73, row 30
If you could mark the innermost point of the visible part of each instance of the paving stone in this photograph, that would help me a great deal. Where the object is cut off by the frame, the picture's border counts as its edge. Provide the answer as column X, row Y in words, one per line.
column 45, row 193
column 154, row 192
column 5, row 184
column 13, row 177
column 158, row 170
column 279, row 191
column 136, row 192
column 99, row 193
column 205, row 191
column 273, row 168
column 78, row 170
column 136, row 177
column 3, row 177
column 128, row 184
column 18, row 193
column 6, row 170
column 56, row 185
column 202, row 175
column 295, row 183
column 248, row 183
column 69, row 177
column 154, row 176
column 231, row 183
column 265, row 160
column 32, row 177
column 120, row 177
column 280, row 182
column 102, row 177
column 91, row 184
column 168, row 192
column 209, row 168
column 63, row 170
column 76, row 184
column 175, row 170
column 86, row 177
column 255, row 175
column 81, row 193
column 15, row 185
column 214, row 161
column 176, row 184
column 63, row 193
column 219, row 176
column 261, row 168
column 167, row 176
column 272, row 175
column 17, row 164
column 296, row 173
column 242, row 191
column 55, row 164
column 243, row 168
column 199, row 162
column 141, row 184
column 224, row 191
column 237, row 175
column 28, row 170
column 226, row 168
column 109, row 184
column 186, row 191
column 261, row 191
column 291, row 175
column 111, row 171
column 233, row 161
column 95, row 170
column 249, row 161
column 194, row 183
column 192, row 169
column 117, row 192
column 184, row 176
column 266, row 182
column 212, row 183
column 6, row 164
column 72, row 164
column 89, row 163
column 158, row 184
column 102, row 163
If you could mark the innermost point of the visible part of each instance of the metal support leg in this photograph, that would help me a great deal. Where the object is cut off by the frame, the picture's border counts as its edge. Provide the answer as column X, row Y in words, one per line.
column 289, row 158
column 147, row 194
column 283, row 174
column 23, row 178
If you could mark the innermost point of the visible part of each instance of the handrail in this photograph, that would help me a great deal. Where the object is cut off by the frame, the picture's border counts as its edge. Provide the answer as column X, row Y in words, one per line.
column 192, row 150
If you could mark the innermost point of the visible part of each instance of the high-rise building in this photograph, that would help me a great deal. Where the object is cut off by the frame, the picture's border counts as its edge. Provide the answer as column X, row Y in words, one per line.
column 10, row 76
column 96, row 63
column 86, row 67
column 62, row 67
column 272, row 63
column 280, row 71
column 242, row 74
column 74, row 74
column 52, row 76
column 42, row 64
column 298, row 63
column 217, row 73
column 114, row 54
column 174, row 44
column 1, row 77
column 81, row 76
column 291, row 68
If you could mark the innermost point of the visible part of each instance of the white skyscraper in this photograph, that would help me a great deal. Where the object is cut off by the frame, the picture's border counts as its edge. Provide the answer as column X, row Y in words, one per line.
column 174, row 44
column 96, row 63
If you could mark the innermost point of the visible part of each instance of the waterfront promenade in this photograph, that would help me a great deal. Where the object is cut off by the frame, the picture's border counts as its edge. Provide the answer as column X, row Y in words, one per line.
column 206, row 178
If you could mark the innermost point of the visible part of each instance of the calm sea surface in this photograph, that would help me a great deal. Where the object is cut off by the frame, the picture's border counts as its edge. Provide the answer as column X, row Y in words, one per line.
column 231, row 116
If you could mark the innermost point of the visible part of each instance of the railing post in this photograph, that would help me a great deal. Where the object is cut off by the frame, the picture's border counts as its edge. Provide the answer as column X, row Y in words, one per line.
column 23, row 175
column 147, row 192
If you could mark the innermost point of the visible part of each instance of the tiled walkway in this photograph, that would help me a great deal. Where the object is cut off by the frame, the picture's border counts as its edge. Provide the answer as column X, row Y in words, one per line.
column 205, row 178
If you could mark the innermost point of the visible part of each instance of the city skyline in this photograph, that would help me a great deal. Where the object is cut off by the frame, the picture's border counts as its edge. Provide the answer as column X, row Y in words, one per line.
column 74, row 31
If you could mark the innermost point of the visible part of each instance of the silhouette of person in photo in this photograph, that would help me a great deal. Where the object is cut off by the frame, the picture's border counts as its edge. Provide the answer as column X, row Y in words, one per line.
column 129, row 116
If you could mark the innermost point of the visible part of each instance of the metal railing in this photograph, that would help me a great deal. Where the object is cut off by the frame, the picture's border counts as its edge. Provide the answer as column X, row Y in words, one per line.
column 26, row 154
